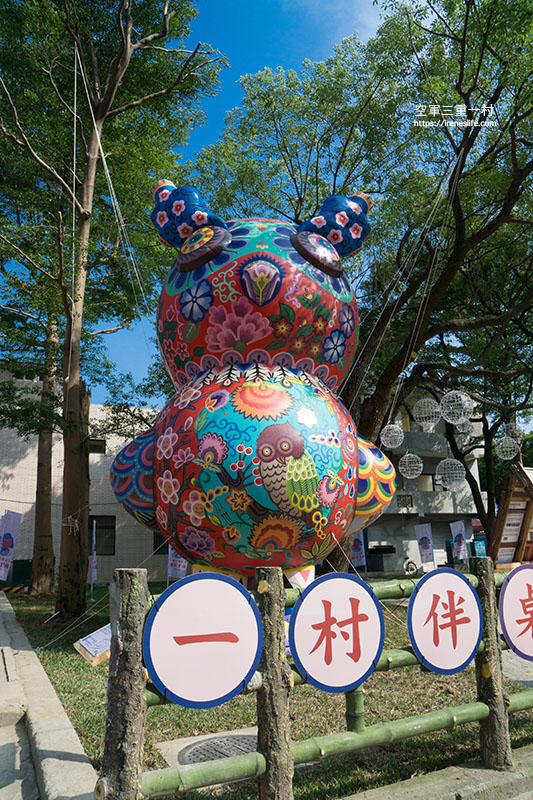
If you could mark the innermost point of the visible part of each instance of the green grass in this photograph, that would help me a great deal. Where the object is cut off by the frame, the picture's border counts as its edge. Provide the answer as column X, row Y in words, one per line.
column 388, row 696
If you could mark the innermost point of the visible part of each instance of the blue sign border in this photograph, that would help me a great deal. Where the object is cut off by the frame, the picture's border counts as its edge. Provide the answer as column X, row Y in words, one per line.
column 511, row 644
column 182, row 701
column 292, row 623
column 421, row 657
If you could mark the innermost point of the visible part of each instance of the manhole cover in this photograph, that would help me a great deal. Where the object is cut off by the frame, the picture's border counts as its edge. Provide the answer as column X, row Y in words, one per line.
column 218, row 747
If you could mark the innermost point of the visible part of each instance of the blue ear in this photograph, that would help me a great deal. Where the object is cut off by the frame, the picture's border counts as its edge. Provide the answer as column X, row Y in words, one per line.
column 179, row 212
column 342, row 221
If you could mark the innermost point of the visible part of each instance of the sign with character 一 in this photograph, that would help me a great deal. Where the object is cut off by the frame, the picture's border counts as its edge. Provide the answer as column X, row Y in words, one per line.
column 202, row 640
column 445, row 621
column 336, row 632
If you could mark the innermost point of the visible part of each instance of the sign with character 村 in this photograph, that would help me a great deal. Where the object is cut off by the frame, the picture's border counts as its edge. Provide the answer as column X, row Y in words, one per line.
column 336, row 632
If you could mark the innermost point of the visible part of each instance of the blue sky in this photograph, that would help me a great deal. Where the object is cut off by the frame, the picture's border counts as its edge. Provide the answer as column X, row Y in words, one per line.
column 253, row 34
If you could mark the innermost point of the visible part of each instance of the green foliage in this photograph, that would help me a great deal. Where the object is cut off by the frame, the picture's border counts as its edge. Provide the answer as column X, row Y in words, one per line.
column 148, row 113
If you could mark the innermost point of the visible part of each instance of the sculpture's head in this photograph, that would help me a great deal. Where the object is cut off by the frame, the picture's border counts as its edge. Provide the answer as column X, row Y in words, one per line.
column 257, row 290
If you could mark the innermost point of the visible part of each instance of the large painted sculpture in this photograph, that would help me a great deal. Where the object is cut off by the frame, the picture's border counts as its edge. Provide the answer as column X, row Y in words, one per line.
column 254, row 460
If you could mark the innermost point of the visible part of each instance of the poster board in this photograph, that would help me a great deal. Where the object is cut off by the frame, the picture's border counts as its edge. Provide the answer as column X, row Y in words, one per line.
column 95, row 647
column 511, row 541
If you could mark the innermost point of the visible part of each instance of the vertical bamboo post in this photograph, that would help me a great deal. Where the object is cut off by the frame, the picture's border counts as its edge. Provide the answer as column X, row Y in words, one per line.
column 126, row 705
column 273, row 737
column 495, row 741
column 355, row 710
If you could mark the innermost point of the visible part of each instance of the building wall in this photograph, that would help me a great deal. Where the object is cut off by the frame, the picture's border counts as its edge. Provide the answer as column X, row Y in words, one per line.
column 18, row 475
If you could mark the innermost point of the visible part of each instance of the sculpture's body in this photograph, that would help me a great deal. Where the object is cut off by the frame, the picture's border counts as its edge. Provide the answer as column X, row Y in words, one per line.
column 254, row 461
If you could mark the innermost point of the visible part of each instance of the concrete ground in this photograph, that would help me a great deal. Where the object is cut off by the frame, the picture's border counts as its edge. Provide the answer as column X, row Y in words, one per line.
column 40, row 753
column 42, row 758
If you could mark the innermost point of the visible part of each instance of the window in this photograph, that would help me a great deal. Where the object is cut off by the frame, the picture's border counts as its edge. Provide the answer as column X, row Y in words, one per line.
column 426, row 483
column 159, row 544
column 96, row 445
column 105, row 535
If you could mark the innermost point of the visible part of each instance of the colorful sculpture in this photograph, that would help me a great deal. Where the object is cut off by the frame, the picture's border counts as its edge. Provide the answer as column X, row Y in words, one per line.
column 254, row 460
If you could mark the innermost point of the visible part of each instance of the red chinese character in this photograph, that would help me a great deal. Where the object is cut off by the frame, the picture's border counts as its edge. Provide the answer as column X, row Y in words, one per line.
column 527, row 608
column 327, row 634
column 232, row 638
column 452, row 614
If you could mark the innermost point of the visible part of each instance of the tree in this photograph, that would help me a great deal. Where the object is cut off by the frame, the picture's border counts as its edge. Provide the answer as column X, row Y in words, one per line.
column 140, row 85
column 451, row 204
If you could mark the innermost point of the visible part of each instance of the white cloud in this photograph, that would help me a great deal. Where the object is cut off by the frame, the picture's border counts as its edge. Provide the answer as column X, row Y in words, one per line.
column 339, row 18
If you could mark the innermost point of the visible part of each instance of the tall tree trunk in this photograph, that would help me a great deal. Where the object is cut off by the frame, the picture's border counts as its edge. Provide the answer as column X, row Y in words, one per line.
column 74, row 557
column 71, row 599
column 43, row 560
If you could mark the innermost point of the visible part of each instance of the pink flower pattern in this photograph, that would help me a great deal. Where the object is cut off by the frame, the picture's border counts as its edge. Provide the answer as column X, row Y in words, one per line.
column 178, row 207
column 194, row 507
column 335, row 236
column 182, row 457
column 237, row 329
column 200, row 217
column 169, row 488
column 165, row 443
column 162, row 218
column 184, row 230
column 319, row 222
column 356, row 230
column 341, row 218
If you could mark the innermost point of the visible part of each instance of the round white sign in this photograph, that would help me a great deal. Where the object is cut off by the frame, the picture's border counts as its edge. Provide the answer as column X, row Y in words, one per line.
column 202, row 640
column 336, row 632
column 516, row 610
column 445, row 621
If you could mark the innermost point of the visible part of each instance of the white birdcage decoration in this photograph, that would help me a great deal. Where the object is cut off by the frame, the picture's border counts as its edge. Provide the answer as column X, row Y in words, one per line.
column 450, row 473
column 391, row 435
column 427, row 413
column 512, row 430
column 506, row 448
column 410, row 465
column 456, row 407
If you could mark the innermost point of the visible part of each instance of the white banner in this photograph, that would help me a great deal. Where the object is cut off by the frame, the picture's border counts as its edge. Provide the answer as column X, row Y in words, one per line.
column 459, row 540
column 94, row 564
column 177, row 566
column 358, row 558
column 424, row 538
column 9, row 527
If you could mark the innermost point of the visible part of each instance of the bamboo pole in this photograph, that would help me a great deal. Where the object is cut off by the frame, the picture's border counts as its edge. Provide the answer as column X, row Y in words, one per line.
column 355, row 710
column 494, row 738
column 389, row 659
column 126, row 706
column 193, row 776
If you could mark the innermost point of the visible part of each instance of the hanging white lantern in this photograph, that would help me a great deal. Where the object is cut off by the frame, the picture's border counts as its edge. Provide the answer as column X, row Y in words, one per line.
column 506, row 448
column 464, row 428
column 512, row 430
column 450, row 473
column 410, row 465
column 391, row 436
column 427, row 413
column 456, row 407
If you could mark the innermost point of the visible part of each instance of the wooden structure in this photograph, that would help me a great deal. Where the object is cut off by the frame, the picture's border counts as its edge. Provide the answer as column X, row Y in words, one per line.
column 272, row 763
column 511, row 541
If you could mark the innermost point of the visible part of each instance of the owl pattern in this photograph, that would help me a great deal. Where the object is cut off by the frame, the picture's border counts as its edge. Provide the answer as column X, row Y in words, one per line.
column 287, row 470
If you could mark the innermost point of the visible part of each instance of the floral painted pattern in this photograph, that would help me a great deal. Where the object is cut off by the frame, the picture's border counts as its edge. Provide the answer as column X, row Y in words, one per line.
column 279, row 303
column 254, row 461
column 238, row 502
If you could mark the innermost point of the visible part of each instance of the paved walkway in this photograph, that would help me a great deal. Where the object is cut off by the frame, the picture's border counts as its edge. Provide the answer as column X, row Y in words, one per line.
column 40, row 753
column 42, row 758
